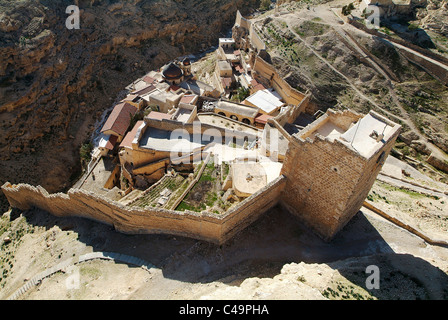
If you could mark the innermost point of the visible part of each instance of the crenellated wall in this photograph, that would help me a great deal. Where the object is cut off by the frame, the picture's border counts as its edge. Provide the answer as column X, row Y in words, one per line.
column 268, row 72
column 327, row 181
column 132, row 220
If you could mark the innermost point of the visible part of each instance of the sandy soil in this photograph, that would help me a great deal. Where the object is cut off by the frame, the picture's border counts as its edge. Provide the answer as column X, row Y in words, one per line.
column 275, row 258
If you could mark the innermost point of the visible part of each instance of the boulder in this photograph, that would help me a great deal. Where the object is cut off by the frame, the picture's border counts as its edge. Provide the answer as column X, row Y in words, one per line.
column 408, row 137
column 420, row 147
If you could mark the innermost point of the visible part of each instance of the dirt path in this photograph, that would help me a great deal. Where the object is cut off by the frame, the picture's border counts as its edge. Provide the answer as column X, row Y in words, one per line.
column 247, row 267
column 340, row 26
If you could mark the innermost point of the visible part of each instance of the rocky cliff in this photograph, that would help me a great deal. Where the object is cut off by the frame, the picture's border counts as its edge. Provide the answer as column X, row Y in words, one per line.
column 344, row 66
column 55, row 82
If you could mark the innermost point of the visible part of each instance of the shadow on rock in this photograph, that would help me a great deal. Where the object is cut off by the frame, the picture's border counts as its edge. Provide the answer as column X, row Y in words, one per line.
column 397, row 277
column 261, row 250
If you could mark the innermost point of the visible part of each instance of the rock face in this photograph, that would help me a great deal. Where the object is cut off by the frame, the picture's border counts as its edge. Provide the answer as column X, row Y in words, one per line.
column 434, row 16
column 55, row 82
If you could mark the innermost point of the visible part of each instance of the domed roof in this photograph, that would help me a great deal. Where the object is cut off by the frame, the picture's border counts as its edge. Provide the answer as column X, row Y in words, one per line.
column 172, row 72
column 186, row 61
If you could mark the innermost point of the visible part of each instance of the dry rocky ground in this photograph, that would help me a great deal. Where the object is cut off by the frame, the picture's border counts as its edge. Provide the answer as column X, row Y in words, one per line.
column 315, row 50
column 275, row 258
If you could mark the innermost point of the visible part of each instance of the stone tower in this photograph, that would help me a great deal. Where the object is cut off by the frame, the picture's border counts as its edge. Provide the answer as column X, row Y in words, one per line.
column 331, row 166
column 185, row 65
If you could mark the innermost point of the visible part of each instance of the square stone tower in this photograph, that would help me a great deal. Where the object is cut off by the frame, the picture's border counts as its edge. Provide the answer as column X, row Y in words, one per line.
column 331, row 166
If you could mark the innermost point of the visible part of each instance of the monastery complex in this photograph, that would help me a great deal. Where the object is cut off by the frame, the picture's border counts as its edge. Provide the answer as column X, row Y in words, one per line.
column 202, row 160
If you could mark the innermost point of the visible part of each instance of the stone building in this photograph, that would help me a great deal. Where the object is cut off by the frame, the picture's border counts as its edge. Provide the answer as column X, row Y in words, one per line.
column 331, row 166
column 324, row 167
column 392, row 8
column 186, row 66
column 238, row 112
column 118, row 121
column 172, row 73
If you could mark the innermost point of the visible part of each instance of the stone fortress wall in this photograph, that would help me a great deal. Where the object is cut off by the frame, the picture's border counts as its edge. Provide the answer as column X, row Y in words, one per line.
column 132, row 220
column 264, row 70
column 323, row 183
column 327, row 182
column 254, row 39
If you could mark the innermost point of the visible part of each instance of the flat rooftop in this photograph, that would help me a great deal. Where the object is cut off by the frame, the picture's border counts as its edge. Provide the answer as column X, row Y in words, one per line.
column 248, row 177
column 266, row 100
column 365, row 135
column 224, row 65
column 362, row 138
column 170, row 141
column 182, row 114
column 330, row 131
column 197, row 87
column 226, row 40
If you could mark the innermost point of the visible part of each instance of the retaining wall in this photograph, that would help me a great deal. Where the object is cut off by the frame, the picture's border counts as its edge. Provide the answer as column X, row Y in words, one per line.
column 426, row 59
column 204, row 226
column 268, row 72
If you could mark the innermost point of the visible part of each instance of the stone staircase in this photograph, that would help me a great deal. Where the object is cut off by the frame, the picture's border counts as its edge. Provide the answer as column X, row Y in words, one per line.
column 151, row 195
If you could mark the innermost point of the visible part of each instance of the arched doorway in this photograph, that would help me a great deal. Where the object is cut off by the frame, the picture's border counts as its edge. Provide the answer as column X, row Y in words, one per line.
column 233, row 117
column 246, row 121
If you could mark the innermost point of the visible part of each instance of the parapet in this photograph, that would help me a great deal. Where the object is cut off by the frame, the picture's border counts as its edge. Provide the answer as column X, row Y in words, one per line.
column 363, row 135
column 133, row 220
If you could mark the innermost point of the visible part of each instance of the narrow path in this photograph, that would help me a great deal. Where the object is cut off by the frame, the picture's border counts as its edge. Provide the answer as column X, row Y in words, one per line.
column 361, row 94
column 402, row 184
column 63, row 266
column 404, row 118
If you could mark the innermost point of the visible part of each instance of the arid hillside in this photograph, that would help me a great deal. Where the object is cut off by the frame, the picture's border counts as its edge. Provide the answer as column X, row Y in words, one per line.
column 317, row 48
column 55, row 82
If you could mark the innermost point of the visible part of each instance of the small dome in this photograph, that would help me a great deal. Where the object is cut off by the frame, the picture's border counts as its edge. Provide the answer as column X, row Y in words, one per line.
column 172, row 72
column 186, row 61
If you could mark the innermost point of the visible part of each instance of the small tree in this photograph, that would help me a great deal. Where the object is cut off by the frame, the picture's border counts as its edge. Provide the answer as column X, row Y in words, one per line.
column 85, row 152
column 241, row 94
column 134, row 118
column 265, row 4
column 347, row 9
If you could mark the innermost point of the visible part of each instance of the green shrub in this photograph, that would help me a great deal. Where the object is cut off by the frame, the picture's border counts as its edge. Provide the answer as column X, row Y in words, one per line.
column 85, row 152
column 265, row 4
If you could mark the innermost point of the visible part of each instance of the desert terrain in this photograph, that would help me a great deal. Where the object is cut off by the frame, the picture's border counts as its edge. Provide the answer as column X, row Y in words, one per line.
column 276, row 257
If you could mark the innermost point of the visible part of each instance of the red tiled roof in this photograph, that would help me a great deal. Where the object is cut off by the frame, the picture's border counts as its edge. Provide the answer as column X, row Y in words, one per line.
column 144, row 90
column 149, row 80
column 158, row 115
column 119, row 119
column 188, row 98
column 226, row 81
column 127, row 141
column 237, row 52
column 111, row 142
column 263, row 118
column 253, row 82
column 174, row 88
column 259, row 87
